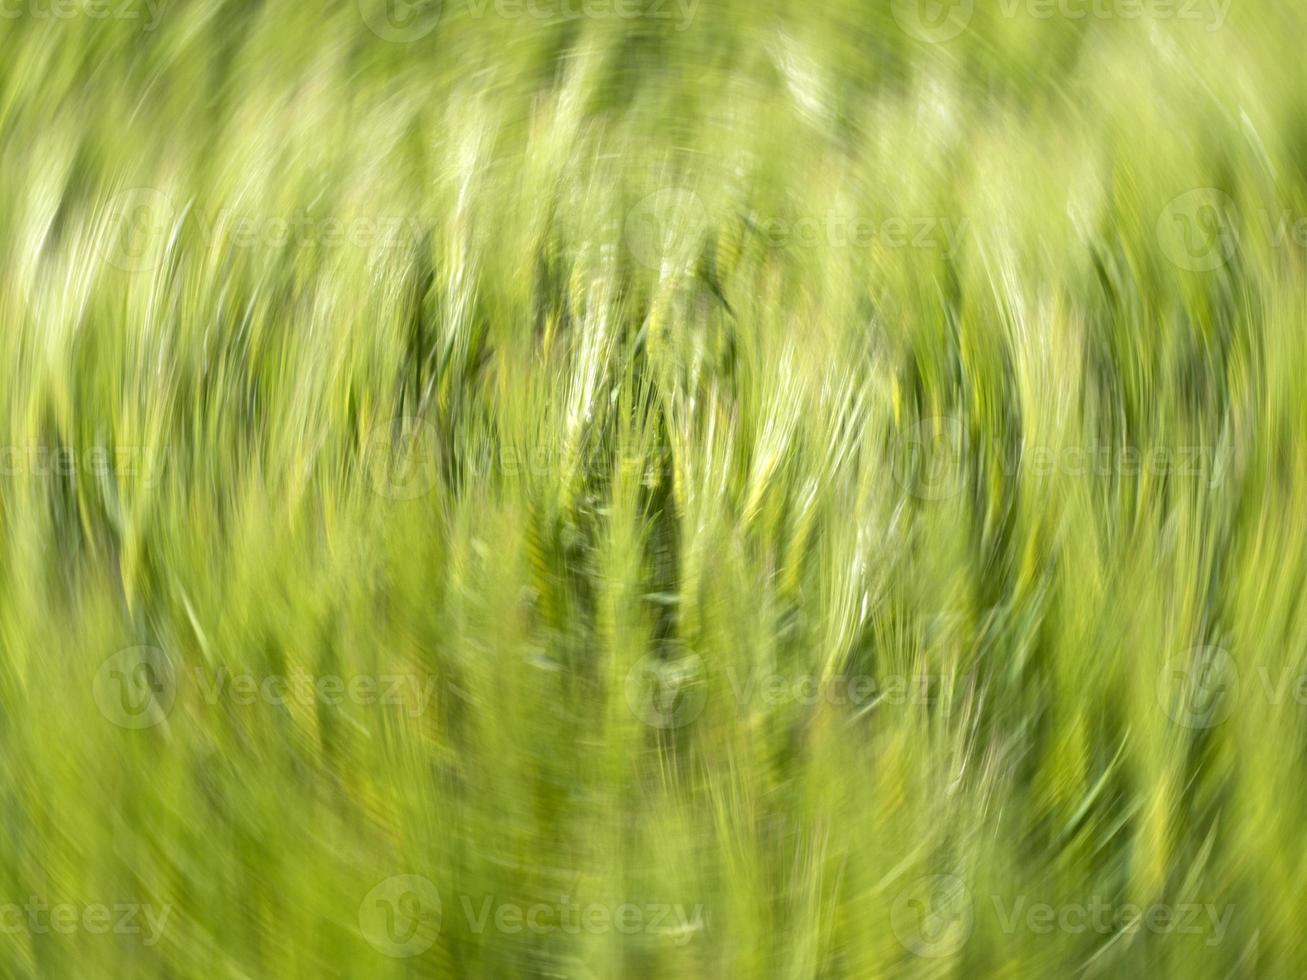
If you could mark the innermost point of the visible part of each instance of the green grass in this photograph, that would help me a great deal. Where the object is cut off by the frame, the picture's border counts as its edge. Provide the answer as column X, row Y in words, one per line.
column 746, row 491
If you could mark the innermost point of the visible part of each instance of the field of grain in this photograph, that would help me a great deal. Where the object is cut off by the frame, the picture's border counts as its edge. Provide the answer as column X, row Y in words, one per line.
column 620, row 489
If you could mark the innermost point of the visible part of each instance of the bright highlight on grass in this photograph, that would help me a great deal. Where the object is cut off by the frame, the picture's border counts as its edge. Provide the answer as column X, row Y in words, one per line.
column 653, row 488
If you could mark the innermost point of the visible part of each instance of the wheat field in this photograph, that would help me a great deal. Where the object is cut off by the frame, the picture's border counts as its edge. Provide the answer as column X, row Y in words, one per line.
column 653, row 488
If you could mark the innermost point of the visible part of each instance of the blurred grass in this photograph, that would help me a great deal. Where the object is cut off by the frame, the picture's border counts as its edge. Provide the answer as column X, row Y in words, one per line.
column 765, row 344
